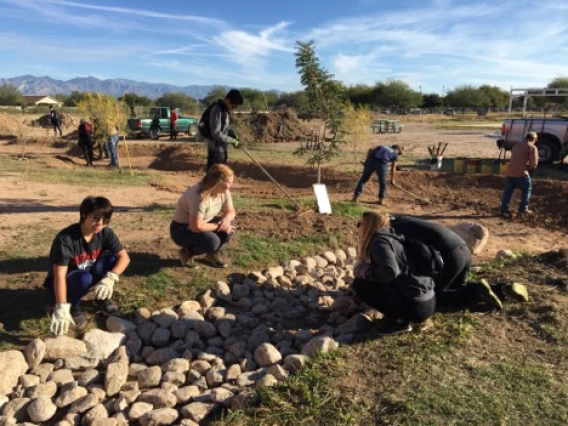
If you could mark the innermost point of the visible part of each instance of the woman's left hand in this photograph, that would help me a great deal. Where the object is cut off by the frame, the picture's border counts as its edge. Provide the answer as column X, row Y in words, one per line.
column 225, row 225
column 362, row 270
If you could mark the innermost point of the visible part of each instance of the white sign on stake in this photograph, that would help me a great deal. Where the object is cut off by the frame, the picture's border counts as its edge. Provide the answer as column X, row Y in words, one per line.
column 323, row 200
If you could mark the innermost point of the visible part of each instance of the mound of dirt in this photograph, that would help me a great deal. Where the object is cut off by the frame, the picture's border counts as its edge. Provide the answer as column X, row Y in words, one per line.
column 268, row 127
column 67, row 121
column 8, row 125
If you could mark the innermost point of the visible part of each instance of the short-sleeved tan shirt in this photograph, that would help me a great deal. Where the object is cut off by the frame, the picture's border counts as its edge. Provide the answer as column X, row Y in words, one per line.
column 191, row 204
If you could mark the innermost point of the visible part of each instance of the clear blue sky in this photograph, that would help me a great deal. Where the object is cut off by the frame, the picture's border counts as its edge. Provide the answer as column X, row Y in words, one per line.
column 432, row 45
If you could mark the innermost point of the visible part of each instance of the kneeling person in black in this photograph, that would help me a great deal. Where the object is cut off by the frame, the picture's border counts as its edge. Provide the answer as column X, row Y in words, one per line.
column 452, row 287
column 84, row 256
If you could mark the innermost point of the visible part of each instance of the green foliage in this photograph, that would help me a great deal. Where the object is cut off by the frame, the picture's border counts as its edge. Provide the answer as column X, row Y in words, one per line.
column 467, row 97
column 396, row 94
column 218, row 92
column 105, row 112
column 296, row 100
column 179, row 100
column 497, row 96
column 10, row 95
column 560, row 82
column 74, row 98
column 432, row 100
column 136, row 100
column 325, row 98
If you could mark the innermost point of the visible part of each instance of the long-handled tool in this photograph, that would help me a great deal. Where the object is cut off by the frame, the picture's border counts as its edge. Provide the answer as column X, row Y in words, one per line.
column 299, row 208
column 426, row 200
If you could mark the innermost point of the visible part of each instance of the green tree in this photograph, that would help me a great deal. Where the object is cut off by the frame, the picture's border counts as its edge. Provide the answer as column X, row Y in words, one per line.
column 360, row 94
column 560, row 82
column 179, row 100
column 74, row 98
column 218, row 92
column 432, row 100
column 396, row 94
column 467, row 96
column 325, row 97
column 10, row 95
column 136, row 100
column 497, row 97
column 296, row 100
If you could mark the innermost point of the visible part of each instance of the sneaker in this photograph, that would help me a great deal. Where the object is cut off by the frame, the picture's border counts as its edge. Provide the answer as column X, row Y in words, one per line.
column 526, row 212
column 389, row 327
column 382, row 202
column 486, row 294
column 516, row 291
column 355, row 199
column 506, row 213
column 187, row 259
column 107, row 307
column 78, row 316
column 214, row 259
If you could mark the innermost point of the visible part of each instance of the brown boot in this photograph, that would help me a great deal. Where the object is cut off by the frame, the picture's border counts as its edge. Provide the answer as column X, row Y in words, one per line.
column 214, row 259
column 382, row 202
column 187, row 259
column 355, row 199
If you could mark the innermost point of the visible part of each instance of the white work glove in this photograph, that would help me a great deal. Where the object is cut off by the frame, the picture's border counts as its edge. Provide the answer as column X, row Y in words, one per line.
column 61, row 318
column 103, row 289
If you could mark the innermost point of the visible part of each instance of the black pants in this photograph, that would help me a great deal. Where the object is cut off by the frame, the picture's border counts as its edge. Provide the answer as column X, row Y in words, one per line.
column 57, row 127
column 390, row 300
column 198, row 242
column 173, row 131
column 87, row 153
column 457, row 263
column 216, row 156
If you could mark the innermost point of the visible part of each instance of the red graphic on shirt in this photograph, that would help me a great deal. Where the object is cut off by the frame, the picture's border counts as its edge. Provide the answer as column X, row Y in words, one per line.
column 86, row 259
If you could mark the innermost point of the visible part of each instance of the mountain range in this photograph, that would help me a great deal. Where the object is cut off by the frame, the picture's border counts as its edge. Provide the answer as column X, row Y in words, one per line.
column 32, row 85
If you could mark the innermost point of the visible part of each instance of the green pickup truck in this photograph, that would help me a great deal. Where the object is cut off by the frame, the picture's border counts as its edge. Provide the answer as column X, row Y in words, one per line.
column 159, row 124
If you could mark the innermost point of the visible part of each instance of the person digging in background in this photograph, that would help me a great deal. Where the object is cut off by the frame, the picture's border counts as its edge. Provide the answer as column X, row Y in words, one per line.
column 84, row 256
column 112, row 143
column 524, row 160
column 55, row 121
column 451, row 285
column 173, row 122
column 85, row 132
column 214, row 126
column 377, row 161
column 203, row 218
column 385, row 280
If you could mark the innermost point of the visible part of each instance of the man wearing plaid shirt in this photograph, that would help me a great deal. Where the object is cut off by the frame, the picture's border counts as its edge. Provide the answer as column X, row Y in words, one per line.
column 524, row 159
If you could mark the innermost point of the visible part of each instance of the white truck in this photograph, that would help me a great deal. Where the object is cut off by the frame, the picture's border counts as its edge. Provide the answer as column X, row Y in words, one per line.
column 552, row 133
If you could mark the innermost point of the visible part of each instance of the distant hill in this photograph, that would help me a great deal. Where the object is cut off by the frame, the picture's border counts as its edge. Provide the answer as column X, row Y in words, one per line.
column 31, row 85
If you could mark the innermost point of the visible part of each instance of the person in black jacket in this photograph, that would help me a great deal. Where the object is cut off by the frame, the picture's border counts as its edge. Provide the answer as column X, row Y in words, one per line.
column 452, row 287
column 385, row 280
column 214, row 126
column 85, row 132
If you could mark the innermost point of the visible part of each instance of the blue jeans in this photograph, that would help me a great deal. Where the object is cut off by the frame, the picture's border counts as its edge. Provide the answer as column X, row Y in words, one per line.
column 525, row 184
column 373, row 165
column 199, row 242
column 111, row 146
column 79, row 281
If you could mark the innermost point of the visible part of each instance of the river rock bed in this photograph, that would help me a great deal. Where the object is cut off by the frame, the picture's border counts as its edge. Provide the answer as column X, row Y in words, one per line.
column 178, row 365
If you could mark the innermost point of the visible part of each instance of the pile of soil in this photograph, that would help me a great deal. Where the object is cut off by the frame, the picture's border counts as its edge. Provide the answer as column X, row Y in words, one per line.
column 66, row 121
column 8, row 125
column 268, row 127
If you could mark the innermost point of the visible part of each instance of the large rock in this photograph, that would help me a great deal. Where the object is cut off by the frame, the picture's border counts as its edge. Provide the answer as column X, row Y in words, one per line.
column 115, row 378
column 159, row 417
column 474, row 234
column 62, row 347
column 41, row 410
column 35, row 352
column 319, row 344
column 267, row 354
column 17, row 408
column 12, row 366
column 119, row 325
column 197, row 411
column 138, row 409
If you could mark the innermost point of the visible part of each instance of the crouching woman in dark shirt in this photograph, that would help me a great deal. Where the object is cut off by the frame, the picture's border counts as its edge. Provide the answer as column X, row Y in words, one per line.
column 384, row 277
column 84, row 256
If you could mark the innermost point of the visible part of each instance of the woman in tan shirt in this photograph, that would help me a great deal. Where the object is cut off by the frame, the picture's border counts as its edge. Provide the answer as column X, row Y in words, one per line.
column 203, row 219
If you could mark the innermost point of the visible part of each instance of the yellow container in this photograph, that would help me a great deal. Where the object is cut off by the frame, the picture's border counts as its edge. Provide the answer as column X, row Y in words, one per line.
column 472, row 166
column 459, row 165
column 487, row 167
column 503, row 168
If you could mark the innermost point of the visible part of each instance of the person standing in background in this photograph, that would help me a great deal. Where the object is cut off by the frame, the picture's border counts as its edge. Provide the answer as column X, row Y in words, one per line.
column 173, row 121
column 55, row 121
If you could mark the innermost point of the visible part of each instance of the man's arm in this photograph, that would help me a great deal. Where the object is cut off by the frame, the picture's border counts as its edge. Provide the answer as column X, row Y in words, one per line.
column 60, row 283
column 393, row 171
column 533, row 158
column 215, row 123
column 122, row 262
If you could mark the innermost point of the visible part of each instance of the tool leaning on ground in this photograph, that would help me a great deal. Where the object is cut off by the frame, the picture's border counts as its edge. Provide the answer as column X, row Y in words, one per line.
column 425, row 200
column 299, row 209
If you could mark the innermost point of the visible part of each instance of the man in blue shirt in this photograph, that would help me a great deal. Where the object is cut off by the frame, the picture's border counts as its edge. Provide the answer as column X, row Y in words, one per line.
column 377, row 161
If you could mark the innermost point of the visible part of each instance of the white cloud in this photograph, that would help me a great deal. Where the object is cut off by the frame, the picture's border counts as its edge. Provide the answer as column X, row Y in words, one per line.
column 248, row 49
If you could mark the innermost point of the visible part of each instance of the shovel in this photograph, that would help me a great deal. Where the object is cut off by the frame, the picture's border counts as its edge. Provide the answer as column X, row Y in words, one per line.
column 299, row 209
column 426, row 200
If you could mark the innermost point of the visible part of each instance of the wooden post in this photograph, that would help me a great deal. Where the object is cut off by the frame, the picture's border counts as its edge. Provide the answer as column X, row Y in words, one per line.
column 127, row 155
